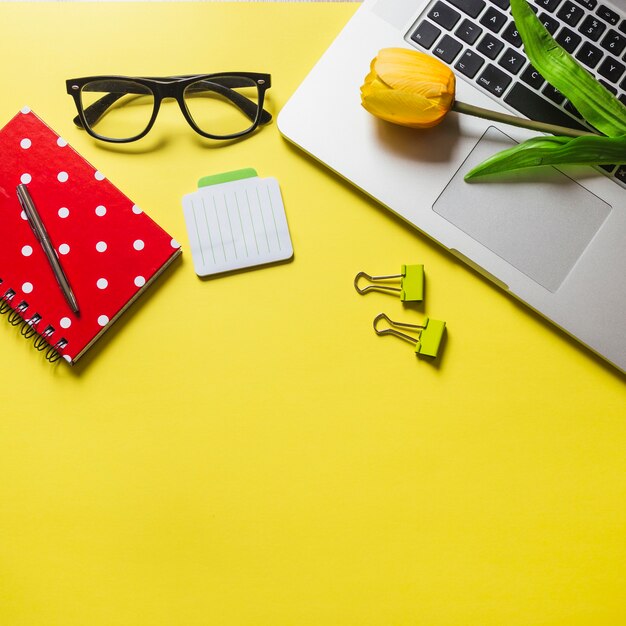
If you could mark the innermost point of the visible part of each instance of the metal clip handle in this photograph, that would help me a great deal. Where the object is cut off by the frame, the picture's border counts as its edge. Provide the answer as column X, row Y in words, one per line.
column 392, row 330
column 374, row 279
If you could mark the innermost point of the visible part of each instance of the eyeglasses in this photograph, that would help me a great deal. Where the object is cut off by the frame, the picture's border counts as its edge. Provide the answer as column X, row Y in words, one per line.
column 120, row 109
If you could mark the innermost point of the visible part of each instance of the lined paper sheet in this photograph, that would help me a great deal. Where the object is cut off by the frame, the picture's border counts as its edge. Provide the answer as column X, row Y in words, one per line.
column 236, row 225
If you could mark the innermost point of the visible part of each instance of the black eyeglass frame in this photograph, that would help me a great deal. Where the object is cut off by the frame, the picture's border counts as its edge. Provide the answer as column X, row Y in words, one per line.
column 171, row 87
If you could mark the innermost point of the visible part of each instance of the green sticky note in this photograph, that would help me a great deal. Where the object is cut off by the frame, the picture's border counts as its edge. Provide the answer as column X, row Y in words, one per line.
column 227, row 177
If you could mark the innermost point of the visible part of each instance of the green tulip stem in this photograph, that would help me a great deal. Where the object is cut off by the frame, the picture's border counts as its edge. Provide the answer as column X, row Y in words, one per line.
column 496, row 116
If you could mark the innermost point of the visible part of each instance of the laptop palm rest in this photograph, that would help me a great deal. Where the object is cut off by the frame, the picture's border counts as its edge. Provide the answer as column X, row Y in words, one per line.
column 540, row 220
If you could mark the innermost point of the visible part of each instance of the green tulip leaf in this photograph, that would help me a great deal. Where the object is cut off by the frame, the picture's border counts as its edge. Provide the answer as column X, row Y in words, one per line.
column 597, row 105
column 538, row 151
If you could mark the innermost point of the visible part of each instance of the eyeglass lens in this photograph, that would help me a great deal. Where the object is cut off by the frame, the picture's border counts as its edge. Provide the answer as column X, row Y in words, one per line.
column 117, row 108
column 224, row 105
column 122, row 109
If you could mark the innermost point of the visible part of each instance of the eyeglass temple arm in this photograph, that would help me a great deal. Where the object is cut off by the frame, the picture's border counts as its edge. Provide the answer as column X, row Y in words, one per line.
column 96, row 110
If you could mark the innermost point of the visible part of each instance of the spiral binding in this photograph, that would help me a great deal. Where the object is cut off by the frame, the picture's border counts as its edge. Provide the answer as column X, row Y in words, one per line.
column 16, row 317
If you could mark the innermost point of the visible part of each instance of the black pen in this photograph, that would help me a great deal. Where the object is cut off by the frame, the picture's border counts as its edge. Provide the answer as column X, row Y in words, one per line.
column 39, row 229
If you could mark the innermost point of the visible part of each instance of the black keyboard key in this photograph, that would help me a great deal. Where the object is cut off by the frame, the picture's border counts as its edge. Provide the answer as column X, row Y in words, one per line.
column 608, row 15
column 443, row 15
column 611, row 69
column 533, row 106
column 614, row 42
column 490, row 46
column 622, row 26
column 548, row 5
column 512, row 60
column 589, row 55
column 503, row 4
column 494, row 80
column 425, row 34
column 588, row 4
column 510, row 35
column 553, row 94
column 549, row 22
column 622, row 99
column 447, row 49
column 568, row 39
column 469, row 63
column 471, row 7
column 532, row 77
column 468, row 31
column 592, row 28
column 493, row 20
column 570, row 108
column 570, row 13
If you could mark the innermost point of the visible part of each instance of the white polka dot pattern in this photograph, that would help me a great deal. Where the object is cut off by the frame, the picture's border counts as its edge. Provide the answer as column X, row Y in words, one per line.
column 108, row 246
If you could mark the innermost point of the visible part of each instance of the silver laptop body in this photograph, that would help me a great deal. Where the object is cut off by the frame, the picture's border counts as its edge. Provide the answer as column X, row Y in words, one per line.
column 555, row 239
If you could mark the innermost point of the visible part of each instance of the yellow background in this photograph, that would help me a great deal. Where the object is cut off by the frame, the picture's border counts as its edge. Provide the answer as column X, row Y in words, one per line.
column 245, row 450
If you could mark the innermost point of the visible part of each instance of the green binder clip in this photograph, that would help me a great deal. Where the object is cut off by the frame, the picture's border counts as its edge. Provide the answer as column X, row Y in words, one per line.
column 411, row 279
column 429, row 334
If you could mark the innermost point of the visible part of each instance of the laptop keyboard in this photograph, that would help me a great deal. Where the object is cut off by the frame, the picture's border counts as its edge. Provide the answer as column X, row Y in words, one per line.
column 478, row 39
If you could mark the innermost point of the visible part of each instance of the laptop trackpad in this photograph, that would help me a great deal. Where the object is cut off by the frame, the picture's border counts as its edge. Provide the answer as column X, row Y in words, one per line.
column 538, row 220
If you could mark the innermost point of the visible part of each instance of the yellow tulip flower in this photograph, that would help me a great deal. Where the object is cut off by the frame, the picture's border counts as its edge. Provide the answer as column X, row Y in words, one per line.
column 409, row 88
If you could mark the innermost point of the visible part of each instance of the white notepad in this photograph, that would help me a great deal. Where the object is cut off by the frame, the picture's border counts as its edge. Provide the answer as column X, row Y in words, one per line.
column 237, row 224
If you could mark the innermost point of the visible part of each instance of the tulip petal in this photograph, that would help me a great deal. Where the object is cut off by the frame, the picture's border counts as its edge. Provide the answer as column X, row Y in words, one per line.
column 403, row 108
column 415, row 72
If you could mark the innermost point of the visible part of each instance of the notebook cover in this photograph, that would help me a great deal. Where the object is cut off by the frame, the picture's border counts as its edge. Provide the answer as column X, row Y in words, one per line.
column 108, row 247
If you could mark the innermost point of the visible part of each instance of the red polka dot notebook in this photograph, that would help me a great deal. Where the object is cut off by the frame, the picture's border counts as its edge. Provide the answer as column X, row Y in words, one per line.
column 110, row 250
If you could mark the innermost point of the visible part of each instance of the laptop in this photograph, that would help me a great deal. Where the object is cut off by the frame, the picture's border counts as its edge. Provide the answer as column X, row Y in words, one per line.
column 553, row 238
